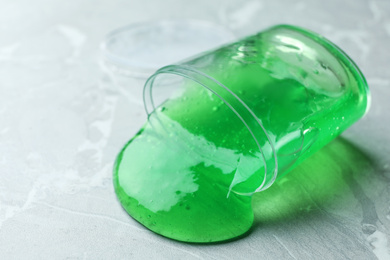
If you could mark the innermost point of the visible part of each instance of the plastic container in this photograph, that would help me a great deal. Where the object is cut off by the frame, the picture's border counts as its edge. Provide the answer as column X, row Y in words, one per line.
column 238, row 117
column 292, row 89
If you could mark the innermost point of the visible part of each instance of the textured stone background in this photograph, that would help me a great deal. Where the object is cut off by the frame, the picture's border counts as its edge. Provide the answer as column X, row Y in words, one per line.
column 63, row 119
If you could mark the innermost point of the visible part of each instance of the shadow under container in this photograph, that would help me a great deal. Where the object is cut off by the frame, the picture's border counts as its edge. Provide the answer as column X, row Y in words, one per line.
column 275, row 97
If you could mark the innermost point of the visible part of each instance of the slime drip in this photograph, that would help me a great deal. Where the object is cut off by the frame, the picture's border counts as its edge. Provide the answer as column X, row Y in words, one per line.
column 189, row 172
column 171, row 178
column 177, row 192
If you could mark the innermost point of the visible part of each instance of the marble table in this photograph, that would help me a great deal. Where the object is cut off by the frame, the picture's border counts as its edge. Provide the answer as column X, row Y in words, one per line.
column 64, row 117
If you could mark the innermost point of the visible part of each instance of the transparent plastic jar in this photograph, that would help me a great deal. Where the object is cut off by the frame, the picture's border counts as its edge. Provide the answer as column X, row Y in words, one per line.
column 292, row 89
column 245, row 113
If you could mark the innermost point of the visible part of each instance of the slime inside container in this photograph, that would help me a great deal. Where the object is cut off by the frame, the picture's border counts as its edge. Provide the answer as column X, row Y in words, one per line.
column 189, row 172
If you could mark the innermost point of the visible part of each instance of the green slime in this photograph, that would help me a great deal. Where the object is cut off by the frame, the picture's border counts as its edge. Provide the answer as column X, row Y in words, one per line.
column 190, row 172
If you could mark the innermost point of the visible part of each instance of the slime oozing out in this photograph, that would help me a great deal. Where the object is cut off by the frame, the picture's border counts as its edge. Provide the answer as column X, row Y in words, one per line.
column 189, row 172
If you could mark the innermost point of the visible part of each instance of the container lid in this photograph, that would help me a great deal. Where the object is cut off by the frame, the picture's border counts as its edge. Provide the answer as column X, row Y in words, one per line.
column 139, row 50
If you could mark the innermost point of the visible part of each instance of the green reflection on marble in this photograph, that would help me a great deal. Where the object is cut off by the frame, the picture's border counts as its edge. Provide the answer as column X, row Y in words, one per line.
column 326, row 179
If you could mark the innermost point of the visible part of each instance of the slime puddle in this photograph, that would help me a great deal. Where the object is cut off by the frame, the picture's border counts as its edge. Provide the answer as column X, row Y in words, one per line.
column 177, row 177
column 167, row 186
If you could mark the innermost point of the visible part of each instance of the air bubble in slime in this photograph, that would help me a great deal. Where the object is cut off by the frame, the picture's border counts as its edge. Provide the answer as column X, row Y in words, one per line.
column 229, row 122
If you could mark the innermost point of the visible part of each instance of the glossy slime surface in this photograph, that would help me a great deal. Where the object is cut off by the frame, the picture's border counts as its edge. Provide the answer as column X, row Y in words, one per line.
column 191, row 170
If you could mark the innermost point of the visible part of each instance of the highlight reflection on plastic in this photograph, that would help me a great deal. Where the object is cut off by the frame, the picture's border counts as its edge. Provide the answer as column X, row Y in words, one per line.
column 241, row 116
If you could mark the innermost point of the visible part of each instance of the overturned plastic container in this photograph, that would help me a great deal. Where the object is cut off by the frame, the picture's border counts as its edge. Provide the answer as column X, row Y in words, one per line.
column 227, row 123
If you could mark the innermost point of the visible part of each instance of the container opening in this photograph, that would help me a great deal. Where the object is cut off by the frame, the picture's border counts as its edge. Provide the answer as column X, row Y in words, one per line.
column 209, row 122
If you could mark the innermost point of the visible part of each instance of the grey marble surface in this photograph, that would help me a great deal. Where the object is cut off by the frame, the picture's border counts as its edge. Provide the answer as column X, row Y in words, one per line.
column 63, row 119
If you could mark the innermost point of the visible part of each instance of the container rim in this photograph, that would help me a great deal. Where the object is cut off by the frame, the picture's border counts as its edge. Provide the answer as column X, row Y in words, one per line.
column 255, row 126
